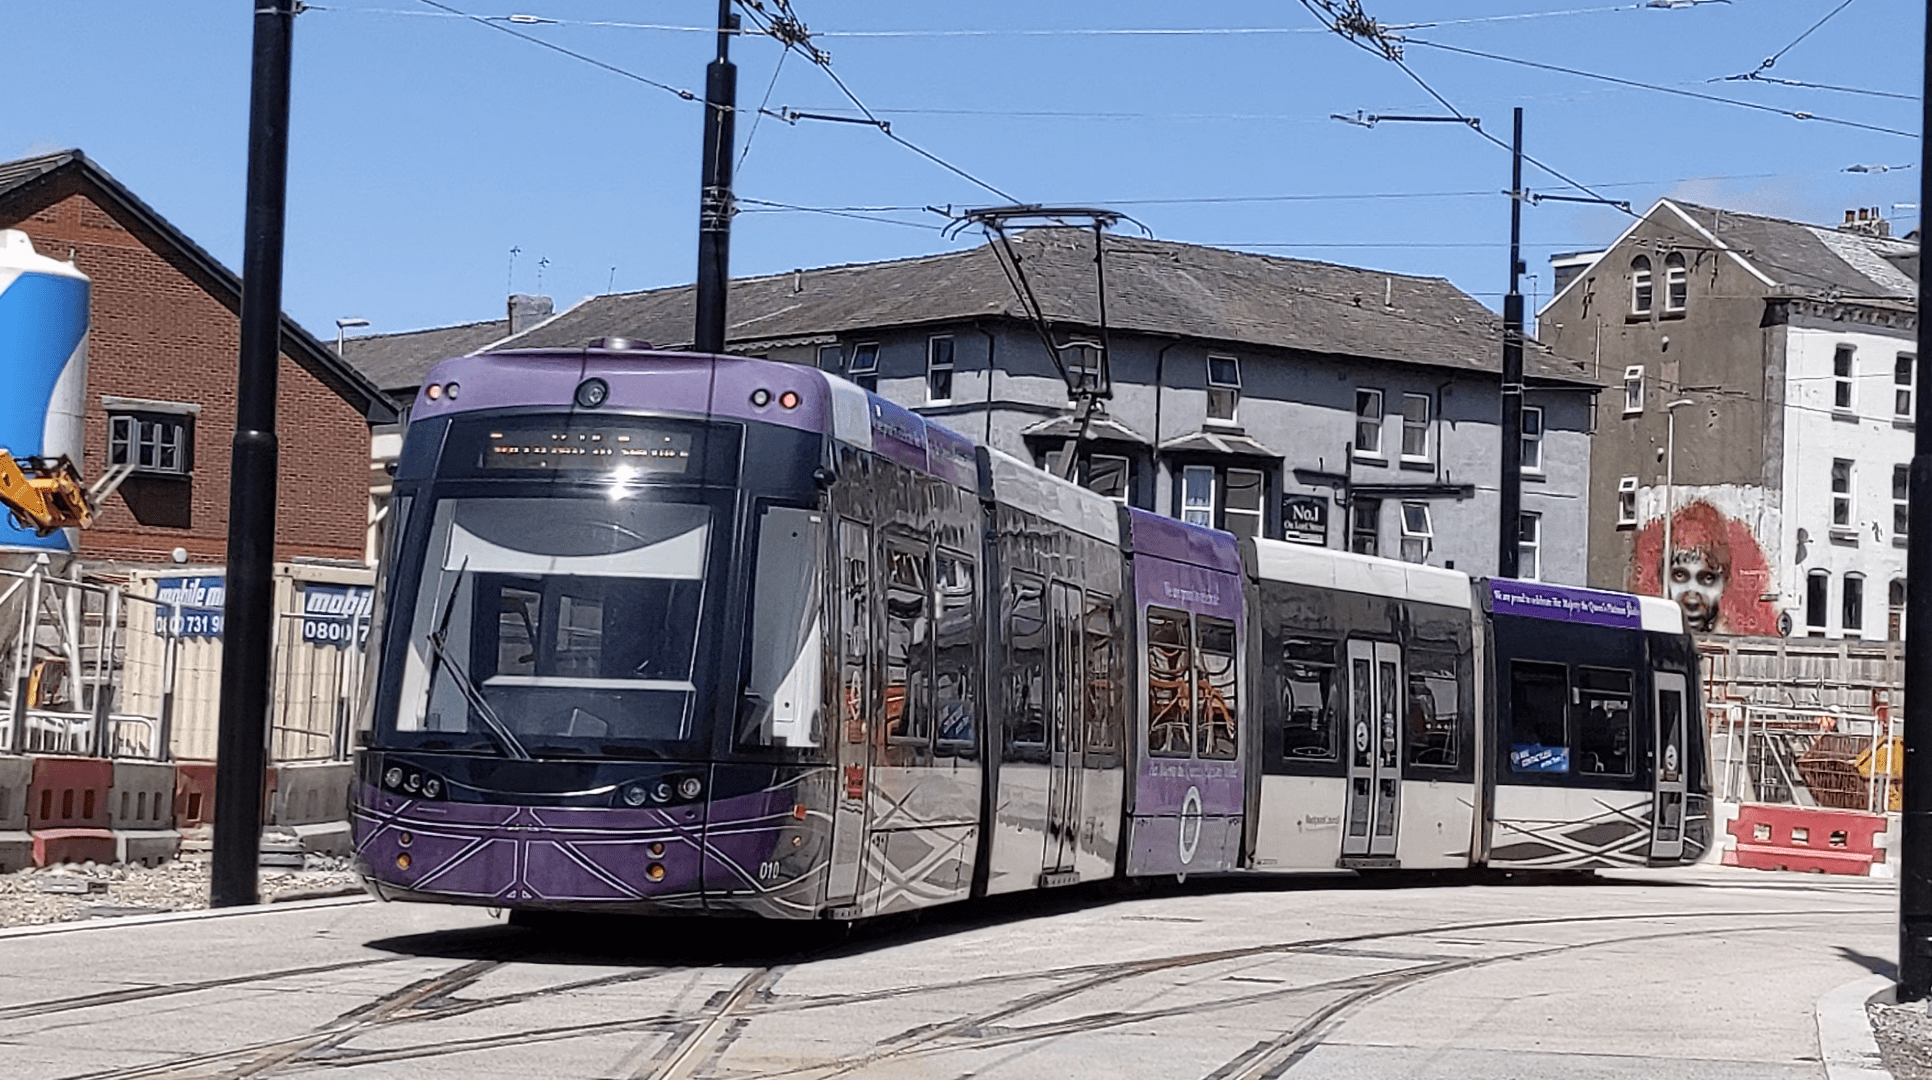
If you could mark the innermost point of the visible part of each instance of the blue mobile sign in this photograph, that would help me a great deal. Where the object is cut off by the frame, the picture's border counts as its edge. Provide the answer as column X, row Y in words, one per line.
column 336, row 615
column 189, row 607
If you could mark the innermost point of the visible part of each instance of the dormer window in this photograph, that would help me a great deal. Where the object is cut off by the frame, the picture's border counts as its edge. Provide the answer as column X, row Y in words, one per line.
column 1676, row 284
column 1640, row 288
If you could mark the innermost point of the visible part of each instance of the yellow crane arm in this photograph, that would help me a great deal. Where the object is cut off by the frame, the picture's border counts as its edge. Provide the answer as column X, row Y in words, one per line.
column 50, row 499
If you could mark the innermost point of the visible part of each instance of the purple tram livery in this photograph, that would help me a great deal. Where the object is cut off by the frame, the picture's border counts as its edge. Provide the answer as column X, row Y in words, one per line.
column 675, row 633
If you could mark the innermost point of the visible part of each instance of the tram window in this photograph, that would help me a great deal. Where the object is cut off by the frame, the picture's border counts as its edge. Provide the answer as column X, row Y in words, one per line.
column 1307, row 710
column 1539, row 705
column 516, row 635
column 908, row 641
column 1170, row 720
column 1435, row 717
column 1103, row 678
column 1026, row 670
column 1218, row 679
column 1602, row 722
column 855, row 628
column 957, row 645
column 782, row 686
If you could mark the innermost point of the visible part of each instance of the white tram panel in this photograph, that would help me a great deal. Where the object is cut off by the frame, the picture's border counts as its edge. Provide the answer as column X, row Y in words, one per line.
column 1304, row 819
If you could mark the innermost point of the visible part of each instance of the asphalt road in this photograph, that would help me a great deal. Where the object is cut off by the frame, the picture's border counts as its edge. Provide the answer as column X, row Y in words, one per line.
column 1698, row 973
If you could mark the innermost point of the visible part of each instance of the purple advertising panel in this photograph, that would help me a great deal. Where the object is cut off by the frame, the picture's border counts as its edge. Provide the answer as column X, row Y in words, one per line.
column 1169, row 538
column 898, row 435
column 1533, row 600
column 950, row 457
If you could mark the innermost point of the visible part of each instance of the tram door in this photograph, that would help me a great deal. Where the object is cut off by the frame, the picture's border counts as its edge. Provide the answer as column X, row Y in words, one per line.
column 853, row 586
column 1375, row 749
column 1667, row 841
column 1064, row 730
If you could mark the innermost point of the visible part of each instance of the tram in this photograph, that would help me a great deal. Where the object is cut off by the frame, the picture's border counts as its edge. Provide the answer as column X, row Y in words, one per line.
column 675, row 633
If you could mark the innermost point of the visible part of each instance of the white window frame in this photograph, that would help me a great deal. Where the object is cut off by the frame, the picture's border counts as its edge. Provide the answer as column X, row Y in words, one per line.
column 1895, row 610
column 1642, row 292
column 1256, row 515
column 1417, row 541
column 1529, row 546
column 1424, row 427
column 1676, row 284
column 1193, row 510
column 1633, row 390
column 1227, row 391
column 1082, row 359
column 864, row 363
column 1904, row 391
column 1901, row 503
column 936, row 368
column 1362, row 395
column 158, row 434
column 1532, row 459
column 1841, row 500
column 1853, row 587
column 1818, row 616
column 1844, row 385
column 1627, row 501
column 1126, row 475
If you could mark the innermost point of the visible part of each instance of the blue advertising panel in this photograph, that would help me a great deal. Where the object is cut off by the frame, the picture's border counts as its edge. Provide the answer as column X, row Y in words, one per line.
column 189, row 607
column 336, row 615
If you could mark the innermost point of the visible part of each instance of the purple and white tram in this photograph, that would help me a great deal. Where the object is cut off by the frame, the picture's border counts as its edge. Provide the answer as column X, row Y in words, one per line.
column 665, row 632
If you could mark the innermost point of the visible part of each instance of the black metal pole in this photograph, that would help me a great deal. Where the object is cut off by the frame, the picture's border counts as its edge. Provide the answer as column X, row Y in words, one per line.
column 1915, row 840
column 1510, row 512
column 242, row 742
column 714, row 197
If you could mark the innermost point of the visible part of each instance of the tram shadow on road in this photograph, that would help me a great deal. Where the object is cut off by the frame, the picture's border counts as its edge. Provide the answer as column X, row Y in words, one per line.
column 565, row 938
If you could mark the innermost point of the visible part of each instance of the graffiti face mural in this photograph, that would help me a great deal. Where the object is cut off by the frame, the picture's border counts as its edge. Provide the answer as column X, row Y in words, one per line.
column 1718, row 574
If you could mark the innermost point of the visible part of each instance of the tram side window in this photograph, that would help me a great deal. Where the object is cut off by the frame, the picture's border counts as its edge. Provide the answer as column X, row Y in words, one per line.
column 1307, row 712
column 957, row 644
column 1026, row 671
column 1435, row 711
column 1170, row 711
column 1539, row 705
column 1103, row 678
column 908, row 626
column 855, row 627
column 516, row 635
column 1602, row 722
column 1218, row 680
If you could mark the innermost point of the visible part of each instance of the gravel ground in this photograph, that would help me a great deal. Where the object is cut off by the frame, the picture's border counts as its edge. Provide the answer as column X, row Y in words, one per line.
column 1904, row 1034
column 32, row 897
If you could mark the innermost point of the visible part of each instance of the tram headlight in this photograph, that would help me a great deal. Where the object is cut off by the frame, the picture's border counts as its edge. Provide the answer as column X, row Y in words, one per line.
column 393, row 777
column 760, row 398
column 432, row 787
column 690, row 786
column 662, row 792
column 450, row 391
column 635, row 795
column 434, row 391
column 414, row 783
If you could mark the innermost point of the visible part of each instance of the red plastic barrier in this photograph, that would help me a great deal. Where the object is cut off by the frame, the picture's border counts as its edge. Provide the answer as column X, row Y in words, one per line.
column 1806, row 839
column 67, row 810
column 194, row 793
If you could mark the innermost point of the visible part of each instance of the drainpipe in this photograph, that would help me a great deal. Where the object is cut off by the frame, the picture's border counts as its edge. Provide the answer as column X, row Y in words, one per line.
column 1160, row 394
column 990, row 347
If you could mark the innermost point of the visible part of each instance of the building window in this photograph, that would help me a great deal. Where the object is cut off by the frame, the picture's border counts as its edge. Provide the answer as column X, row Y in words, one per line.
column 1368, row 423
column 1365, row 526
column 1676, row 283
column 1853, row 620
column 1627, row 501
column 864, row 368
column 1241, row 512
column 831, row 357
column 1841, row 378
column 1197, row 495
column 1532, row 439
column 1084, row 372
column 1417, row 532
column 1224, row 388
column 1841, row 497
column 1817, row 595
column 1901, row 504
column 1107, row 474
column 154, row 443
column 1415, row 427
column 1640, row 285
column 939, row 370
column 1633, row 390
column 1529, row 547
column 1895, row 610
column 1903, row 371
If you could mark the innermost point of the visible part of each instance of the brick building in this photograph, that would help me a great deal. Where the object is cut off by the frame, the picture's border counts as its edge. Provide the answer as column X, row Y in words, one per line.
column 162, row 352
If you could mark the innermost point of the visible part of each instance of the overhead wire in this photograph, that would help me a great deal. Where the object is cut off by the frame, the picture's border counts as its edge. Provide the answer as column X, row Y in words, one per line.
column 534, row 40
column 758, row 116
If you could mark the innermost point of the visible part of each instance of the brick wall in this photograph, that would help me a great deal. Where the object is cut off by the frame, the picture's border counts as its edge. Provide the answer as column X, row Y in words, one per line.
column 159, row 333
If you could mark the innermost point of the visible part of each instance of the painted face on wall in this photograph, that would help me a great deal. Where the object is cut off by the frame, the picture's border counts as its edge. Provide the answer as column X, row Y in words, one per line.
column 1697, row 584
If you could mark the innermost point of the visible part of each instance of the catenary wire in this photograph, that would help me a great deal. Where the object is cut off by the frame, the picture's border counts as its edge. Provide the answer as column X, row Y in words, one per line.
column 591, row 60
column 759, row 115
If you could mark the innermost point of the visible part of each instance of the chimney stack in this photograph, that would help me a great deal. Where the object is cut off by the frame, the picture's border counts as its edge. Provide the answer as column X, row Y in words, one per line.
column 1866, row 221
column 527, row 311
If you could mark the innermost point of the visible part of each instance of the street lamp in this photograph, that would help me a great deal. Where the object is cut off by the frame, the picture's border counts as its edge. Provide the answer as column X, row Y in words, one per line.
column 344, row 324
column 1670, row 486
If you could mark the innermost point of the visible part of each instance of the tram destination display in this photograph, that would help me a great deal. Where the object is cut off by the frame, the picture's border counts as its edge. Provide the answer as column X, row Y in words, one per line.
column 577, row 448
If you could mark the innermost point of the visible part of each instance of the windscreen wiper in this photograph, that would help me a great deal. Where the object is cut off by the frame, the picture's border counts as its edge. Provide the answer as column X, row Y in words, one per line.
column 464, row 684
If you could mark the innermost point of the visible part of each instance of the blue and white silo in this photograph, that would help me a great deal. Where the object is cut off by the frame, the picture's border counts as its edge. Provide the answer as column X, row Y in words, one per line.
column 43, row 358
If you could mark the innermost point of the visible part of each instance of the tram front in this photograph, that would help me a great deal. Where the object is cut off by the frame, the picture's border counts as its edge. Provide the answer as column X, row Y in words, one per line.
column 598, row 670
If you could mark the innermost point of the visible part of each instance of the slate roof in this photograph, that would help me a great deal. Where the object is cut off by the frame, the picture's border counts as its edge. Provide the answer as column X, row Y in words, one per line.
column 26, row 175
column 397, row 362
column 1153, row 286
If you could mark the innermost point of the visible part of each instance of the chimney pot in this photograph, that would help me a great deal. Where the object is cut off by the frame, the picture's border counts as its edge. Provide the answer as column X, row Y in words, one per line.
column 1851, row 216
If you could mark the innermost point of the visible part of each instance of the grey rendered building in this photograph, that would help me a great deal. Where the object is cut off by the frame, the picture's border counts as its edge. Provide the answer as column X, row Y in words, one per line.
column 1333, row 405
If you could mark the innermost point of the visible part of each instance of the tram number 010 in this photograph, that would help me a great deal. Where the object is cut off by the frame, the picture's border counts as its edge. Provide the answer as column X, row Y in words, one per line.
column 768, row 871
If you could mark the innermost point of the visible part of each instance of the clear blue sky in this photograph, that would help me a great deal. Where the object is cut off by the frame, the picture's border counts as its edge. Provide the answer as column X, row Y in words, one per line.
column 425, row 147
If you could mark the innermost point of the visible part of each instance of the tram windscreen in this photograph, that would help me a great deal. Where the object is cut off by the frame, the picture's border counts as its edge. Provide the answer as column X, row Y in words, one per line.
column 557, row 625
